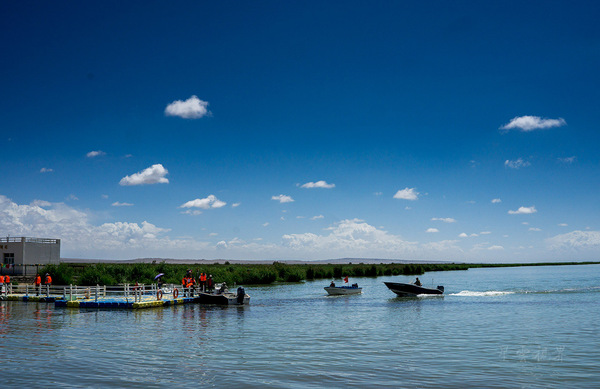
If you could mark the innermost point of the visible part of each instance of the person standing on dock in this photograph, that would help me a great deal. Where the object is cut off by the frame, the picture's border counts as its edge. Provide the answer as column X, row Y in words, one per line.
column 38, row 284
column 2, row 284
column 48, row 280
column 7, row 284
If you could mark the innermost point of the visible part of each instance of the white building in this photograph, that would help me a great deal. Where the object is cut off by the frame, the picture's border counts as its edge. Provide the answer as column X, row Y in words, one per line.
column 25, row 256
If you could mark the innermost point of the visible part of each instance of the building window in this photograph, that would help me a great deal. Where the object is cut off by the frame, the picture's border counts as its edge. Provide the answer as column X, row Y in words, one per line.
column 9, row 258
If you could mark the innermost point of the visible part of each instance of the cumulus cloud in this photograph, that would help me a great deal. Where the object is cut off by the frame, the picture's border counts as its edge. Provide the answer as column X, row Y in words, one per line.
column 463, row 235
column 407, row 194
column 350, row 237
column 318, row 184
column 206, row 203
column 46, row 170
column 516, row 164
column 444, row 219
column 496, row 201
column 523, row 211
column 80, row 238
column 576, row 240
column 118, row 204
column 532, row 123
column 432, row 230
column 192, row 108
column 282, row 198
column 96, row 153
column 155, row 174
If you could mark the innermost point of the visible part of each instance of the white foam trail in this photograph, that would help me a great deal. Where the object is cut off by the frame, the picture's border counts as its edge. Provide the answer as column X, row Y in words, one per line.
column 468, row 293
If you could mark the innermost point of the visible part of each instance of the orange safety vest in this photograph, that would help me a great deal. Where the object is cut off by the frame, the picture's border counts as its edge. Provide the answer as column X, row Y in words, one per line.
column 203, row 277
column 7, row 279
column 48, row 280
column 38, row 280
column 1, row 279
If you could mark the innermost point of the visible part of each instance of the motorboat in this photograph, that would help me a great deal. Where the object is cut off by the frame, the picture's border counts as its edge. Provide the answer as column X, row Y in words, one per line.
column 342, row 290
column 222, row 296
column 412, row 290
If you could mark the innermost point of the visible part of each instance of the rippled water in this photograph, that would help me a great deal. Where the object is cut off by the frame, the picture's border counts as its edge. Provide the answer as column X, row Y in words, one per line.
column 528, row 327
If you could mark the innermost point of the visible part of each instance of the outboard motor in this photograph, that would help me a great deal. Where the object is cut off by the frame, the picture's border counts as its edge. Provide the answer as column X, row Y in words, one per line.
column 240, row 295
column 441, row 288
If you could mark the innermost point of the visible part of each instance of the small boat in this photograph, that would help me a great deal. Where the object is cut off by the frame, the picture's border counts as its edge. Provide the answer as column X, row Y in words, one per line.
column 340, row 290
column 222, row 296
column 412, row 290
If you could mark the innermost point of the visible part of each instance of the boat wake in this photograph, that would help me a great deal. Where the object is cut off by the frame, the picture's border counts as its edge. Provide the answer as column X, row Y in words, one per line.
column 468, row 293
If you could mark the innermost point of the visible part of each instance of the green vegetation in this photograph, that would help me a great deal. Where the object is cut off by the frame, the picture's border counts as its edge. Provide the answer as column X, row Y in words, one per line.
column 247, row 274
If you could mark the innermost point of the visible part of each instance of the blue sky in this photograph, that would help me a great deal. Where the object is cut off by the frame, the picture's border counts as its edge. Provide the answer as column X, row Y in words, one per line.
column 463, row 131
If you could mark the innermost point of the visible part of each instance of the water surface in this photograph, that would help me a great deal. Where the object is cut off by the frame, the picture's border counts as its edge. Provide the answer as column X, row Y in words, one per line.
column 525, row 327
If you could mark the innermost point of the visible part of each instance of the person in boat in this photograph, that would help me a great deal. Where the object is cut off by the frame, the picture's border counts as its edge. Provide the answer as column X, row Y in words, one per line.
column 332, row 285
column 417, row 282
column 210, row 284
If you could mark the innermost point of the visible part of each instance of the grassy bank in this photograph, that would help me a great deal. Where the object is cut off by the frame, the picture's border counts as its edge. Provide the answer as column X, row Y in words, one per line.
column 247, row 274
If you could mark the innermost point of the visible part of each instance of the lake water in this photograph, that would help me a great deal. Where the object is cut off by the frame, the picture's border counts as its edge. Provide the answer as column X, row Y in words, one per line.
column 525, row 327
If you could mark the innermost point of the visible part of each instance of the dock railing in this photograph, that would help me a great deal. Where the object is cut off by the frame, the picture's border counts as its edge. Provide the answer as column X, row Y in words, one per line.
column 134, row 292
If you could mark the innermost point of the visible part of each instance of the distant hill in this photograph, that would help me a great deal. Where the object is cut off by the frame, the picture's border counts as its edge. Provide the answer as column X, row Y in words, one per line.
column 336, row 261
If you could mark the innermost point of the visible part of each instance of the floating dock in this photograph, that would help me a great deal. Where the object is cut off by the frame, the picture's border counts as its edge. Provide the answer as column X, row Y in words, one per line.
column 118, row 297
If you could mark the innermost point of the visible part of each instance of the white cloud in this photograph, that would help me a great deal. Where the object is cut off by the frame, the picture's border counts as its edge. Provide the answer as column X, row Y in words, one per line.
column 563, row 224
column 576, row 240
column 72, row 197
column 463, row 235
column 206, row 203
column 495, row 247
column 568, row 160
column 265, row 224
column 523, row 211
column 350, row 238
column 96, row 153
column 485, row 232
column 41, row 203
column 81, row 239
column 407, row 194
column 378, row 193
column 46, row 170
column 432, row 230
column 496, row 201
column 155, row 174
column 192, row 108
column 118, row 204
column 318, row 184
column 534, row 229
column 282, row 198
column 235, row 205
column 444, row 219
column 317, row 217
column 516, row 164
column 531, row 123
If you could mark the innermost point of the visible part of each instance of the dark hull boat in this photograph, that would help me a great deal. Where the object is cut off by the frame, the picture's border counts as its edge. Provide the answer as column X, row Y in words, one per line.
column 222, row 296
column 411, row 290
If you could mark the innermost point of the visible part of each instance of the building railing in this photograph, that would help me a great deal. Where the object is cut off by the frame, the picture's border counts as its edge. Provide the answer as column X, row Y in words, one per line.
column 25, row 239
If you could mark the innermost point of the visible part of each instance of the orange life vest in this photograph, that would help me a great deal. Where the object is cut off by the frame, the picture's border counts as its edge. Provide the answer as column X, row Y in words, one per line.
column 1, row 279
column 38, row 280
column 48, row 280
column 7, row 279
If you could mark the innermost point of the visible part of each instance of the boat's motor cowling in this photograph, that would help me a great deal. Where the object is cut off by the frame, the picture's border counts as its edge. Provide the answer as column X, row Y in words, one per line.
column 240, row 295
column 441, row 288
